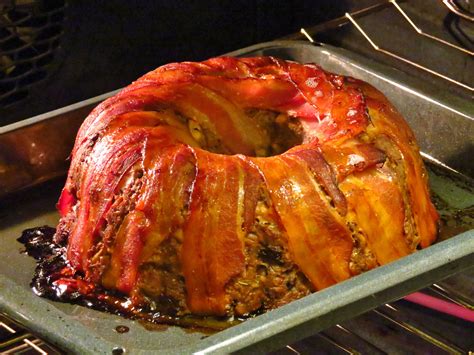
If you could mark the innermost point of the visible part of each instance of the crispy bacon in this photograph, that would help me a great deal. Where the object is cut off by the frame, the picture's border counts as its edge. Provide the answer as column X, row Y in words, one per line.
column 352, row 156
column 387, row 121
column 323, row 174
column 318, row 238
column 377, row 204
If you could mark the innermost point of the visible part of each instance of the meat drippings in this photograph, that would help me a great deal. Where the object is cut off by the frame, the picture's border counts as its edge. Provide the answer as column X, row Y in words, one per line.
column 54, row 279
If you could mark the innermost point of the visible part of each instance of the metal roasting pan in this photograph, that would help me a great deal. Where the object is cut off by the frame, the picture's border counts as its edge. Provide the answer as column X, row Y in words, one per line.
column 443, row 124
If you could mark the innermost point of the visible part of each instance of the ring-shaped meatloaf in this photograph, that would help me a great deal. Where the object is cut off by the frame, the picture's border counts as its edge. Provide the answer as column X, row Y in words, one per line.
column 232, row 186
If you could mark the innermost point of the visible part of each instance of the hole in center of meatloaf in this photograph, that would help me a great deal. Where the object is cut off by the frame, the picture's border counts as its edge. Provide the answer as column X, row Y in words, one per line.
column 277, row 133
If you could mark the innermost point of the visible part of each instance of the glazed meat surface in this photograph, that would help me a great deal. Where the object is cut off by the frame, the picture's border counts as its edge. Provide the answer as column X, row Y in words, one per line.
column 234, row 186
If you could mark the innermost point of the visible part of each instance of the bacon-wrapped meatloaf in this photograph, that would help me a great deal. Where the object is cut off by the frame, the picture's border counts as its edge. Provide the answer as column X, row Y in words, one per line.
column 237, row 185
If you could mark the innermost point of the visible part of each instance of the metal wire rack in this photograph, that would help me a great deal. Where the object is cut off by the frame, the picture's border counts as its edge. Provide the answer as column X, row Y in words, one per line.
column 352, row 18
column 30, row 32
column 15, row 339
column 395, row 327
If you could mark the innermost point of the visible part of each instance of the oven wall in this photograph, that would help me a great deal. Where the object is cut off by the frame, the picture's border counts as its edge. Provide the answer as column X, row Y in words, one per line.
column 107, row 44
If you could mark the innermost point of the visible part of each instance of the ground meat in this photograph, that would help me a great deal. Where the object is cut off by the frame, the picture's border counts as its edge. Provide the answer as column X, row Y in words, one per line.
column 283, row 131
column 270, row 278
column 362, row 258
column 161, row 280
column 66, row 225
column 396, row 164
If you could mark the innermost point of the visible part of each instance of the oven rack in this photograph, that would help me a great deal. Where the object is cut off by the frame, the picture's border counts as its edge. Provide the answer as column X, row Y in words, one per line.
column 16, row 339
column 351, row 337
column 351, row 18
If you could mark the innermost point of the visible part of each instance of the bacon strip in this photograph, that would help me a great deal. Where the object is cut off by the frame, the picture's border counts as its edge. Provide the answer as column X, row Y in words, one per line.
column 97, row 189
column 387, row 121
column 319, row 242
column 212, row 251
column 66, row 201
column 122, row 270
column 376, row 201
column 166, row 194
column 351, row 156
column 323, row 173
column 168, row 179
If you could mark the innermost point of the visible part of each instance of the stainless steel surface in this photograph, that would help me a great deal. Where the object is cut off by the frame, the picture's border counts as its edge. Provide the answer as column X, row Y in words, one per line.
column 431, row 114
column 396, row 328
